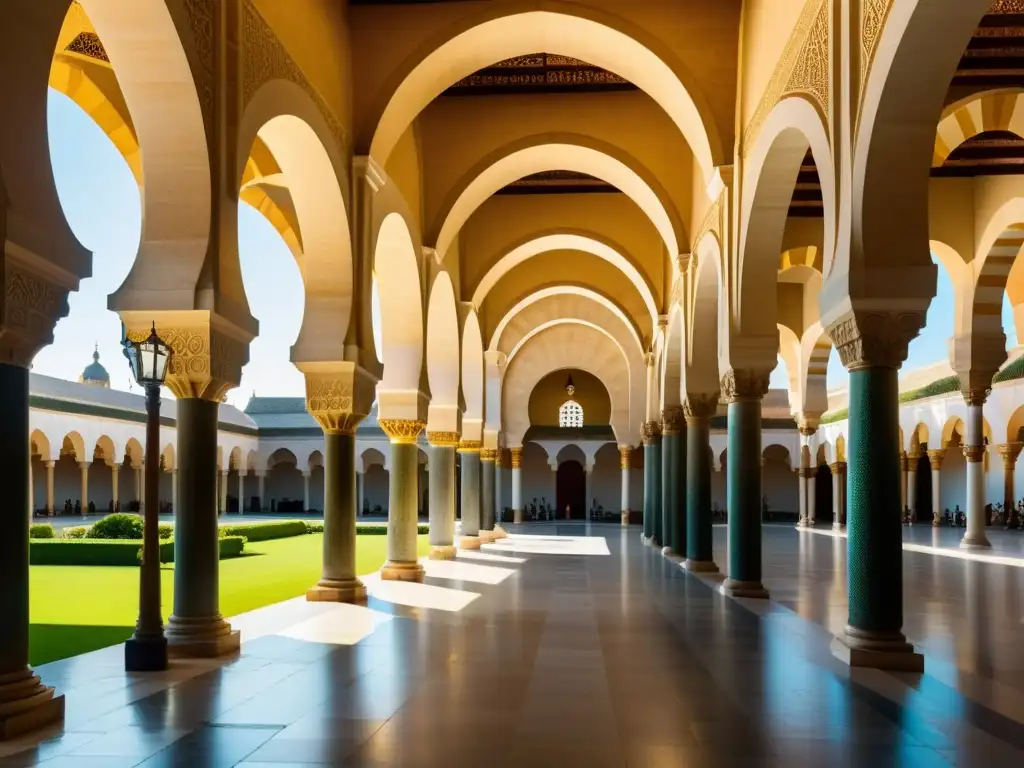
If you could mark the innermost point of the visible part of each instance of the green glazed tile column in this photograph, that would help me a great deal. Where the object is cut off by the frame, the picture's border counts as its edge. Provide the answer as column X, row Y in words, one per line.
column 699, row 411
column 743, row 391
column 651, row 433
column 673, row 524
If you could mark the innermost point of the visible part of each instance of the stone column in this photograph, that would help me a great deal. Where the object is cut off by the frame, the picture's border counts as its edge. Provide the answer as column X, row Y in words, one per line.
column 115, row 472
column 625, row 455
column 31, row 489
column 442, row 494
column 699, row 409
column 677, row 535
column 261, row 476
column 360, row 487
column 487, row 457
column 305, row 489
column 1009, row 453
column 554, row 489
column 84, row 467
column 142, row 486
column 588, row 489
column 974, row 451
column 651, row 433
column 49, row 487
column 224, row 491
column 903, row 484
column 338, row 582
column 935, row 459
column 499, row 501
column 912, row 459
column 137, row 472
column 801, row 484
column 403, row 508
column 469, row 452
column 517, row 485
column 669, row 438
column 25, row 703
column 241, row 491
column 743, row 390
column 812, row 495
column 196, row 627
column 838, row 477
column 873, row 346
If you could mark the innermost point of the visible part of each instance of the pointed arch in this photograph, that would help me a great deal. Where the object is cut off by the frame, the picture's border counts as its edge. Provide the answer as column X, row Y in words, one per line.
column 397, row 272
column 472, row 377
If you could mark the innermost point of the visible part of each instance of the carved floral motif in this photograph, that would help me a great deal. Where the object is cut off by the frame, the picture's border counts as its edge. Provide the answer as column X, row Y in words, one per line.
column 650, row 432
column 402, row 431
column 745, row 384
column 517, row 458
column 700, row 406
column 443, row 439
column 875, row 339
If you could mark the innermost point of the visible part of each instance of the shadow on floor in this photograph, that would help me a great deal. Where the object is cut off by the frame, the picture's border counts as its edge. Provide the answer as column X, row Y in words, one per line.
column 51, row 642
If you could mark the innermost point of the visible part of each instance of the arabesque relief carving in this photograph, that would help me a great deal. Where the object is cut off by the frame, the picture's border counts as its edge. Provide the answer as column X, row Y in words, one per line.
column 875, row 339
column 31, row 307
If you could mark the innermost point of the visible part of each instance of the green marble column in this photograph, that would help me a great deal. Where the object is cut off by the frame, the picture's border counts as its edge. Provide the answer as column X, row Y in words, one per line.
column 743, row 390
column 673, row 482
column 699, row 411
column 25, row 703
column 196, row 628
column 469, row 455
column 487, row 458
column 874, row 634
column 651, row 431
column 339, row 582
column 669, row 438
column 442, row 494
column 403, row 502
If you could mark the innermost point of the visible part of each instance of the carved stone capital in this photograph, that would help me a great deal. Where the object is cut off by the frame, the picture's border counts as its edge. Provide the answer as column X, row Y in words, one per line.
column 338, row 395
column 443, row 439
column 672, row 420
column 402, row 431
column 974, row 453
column 745, row 384
column 625, row 456
column 499, row 458
column 1009, row 452
column 207, row 351
column 700, row 406
column 875, row 339
column 30, row 307
column 470, row 446
column 517, row 457
column 935, row 458
column 837, row 467
column 650, row 432
column 807, row 430
column 976, row 396
column 488, row 454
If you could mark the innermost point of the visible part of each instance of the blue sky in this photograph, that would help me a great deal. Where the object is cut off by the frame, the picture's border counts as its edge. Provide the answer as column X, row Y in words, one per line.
column 102, row 205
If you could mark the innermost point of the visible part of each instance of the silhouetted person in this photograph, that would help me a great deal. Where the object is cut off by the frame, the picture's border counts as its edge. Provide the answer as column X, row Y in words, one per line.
column 78, row 507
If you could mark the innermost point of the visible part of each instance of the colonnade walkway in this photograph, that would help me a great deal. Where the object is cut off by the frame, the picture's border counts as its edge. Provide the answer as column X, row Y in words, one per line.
column 553, row 647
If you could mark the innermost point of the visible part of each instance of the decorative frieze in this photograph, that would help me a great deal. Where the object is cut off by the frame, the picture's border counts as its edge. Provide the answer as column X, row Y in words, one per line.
column 488, row 454
column 443, row 439
column 32, row 305
column 470, row 446
column 517, row 457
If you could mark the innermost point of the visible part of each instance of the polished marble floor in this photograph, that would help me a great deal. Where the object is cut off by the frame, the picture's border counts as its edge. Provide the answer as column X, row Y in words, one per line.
column 568, row 645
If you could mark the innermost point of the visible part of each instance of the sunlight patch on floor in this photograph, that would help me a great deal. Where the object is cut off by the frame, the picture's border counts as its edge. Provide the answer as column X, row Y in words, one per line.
column 342, row 624
column 490, row 557
column 958, row 554
column 456, row 571
column 551, row 545
column 414, row 595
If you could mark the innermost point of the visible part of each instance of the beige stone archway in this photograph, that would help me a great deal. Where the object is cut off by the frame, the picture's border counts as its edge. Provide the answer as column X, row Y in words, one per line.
column 497, row 33
column 569, row 241
column 565, row 153
column 472, row 377
column 999, row 110
column 673, row 374
column 569, row 346
column 444, row 358
column 287, row 122
column 706, row 318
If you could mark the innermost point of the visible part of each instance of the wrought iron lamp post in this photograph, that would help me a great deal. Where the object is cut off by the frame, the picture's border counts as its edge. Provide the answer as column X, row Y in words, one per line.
column 146, row 651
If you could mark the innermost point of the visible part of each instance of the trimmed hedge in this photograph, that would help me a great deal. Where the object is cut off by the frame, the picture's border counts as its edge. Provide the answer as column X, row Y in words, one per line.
column 1014, row 370
column 41, row 531
column 381, row 530
column 314, row 527
column 118, row 526
column 942, row 386
column 111, row 551
column 78, row 532
column 266, row 531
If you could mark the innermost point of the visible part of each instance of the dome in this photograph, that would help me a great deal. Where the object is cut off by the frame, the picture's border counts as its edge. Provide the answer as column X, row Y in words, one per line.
column 94, row 373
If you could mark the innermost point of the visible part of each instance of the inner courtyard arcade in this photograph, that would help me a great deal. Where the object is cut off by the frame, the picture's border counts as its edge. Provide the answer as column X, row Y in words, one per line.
column 503, row 208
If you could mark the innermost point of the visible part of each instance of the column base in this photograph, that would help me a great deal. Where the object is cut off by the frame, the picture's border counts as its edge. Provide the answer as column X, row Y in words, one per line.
column 26, row 704
column 337, row 591
column 517, row 516
column 877, row 650
column 202, row 638
column 801, row 523
column 667, row 551
column 442, row 552
column 398, row 570
column 700, row 566
column 469, row 542
column 145, row 654
column 500, row 533
column 751, row 589
column 487, row 537
column 838, row 527
column 624, row 519
column 975, row 541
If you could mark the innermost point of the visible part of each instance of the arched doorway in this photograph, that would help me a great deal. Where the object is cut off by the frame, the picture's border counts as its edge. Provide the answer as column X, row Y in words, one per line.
column 571, row 491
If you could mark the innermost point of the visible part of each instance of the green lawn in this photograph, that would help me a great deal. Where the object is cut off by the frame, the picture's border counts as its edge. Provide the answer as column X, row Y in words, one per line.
column 76, row 609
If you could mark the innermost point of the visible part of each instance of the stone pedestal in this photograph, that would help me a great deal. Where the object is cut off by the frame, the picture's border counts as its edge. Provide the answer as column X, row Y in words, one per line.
column 699, row 411
column 339, row 583
column 196, row 628
column 743, row 391
column 25, row 703
column 469, row 455
column 403, row 510
column 442, row 494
